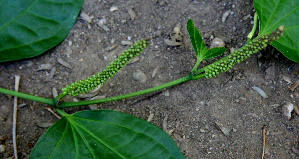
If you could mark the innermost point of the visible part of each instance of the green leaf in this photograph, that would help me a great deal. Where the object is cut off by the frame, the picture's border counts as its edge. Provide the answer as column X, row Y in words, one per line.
column 30, row 27
column 216, row 51
column 196, row 39
column 272, row 14
column 201, row 52
column 104, row 134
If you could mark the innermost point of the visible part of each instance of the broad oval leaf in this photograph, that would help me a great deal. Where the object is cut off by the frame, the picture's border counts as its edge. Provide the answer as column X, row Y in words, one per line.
column 30, row 27
column 272, row 14
column 104, row 134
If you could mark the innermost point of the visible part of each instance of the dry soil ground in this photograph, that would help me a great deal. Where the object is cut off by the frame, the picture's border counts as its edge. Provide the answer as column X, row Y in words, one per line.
column 193, row 107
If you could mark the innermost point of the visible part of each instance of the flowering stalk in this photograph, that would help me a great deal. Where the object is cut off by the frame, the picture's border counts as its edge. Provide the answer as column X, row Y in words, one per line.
column 100, row 78
column 239, row 55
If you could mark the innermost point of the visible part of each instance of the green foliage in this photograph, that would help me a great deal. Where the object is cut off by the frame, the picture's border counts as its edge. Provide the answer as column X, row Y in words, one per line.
column 100, row 78
column 201, row 52
column 104, row 134
column 30, row 27
column 273, row 13
column 239, row 55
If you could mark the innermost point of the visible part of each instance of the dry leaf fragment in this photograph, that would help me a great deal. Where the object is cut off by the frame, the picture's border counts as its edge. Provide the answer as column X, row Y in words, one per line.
column 171, row 43
column 132, row 14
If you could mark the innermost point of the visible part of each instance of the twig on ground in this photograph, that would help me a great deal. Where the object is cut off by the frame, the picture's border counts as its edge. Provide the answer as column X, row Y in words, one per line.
column 296, row 109
column 264, row 140
column 164, row 126
column 50, row 110
column 14, row 123
column 150, row 117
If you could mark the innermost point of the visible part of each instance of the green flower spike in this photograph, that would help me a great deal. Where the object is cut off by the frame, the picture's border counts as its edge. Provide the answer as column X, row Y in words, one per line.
column 239, row 55
column 100, row 78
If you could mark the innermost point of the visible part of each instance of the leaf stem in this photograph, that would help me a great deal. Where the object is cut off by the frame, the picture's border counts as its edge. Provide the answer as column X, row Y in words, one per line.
column 196, row 65
column 250, row 35
column 27, row 96
column 71, row 104
column 61, row 112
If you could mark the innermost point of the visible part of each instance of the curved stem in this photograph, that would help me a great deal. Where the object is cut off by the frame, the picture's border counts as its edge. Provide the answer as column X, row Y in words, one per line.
column 71, row 104
column 249, row 36
column 27, row 96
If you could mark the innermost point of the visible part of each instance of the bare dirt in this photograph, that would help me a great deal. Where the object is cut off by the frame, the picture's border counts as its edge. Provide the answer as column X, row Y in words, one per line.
column 193, row 107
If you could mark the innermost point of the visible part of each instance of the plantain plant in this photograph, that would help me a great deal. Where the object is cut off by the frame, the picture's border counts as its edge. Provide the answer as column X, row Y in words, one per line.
column 111, row 134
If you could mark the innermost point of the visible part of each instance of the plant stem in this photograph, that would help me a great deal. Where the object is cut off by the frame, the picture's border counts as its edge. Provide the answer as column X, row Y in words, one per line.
column 27, row 96
column 249, row 36
column 196, row 65
column 61, row 112
column 71, row 104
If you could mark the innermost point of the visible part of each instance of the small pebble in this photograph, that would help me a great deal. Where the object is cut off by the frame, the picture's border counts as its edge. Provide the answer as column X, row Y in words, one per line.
column 287, row 108
column 125, row 42
column 171, row 43
column 52, row 73
column 93, row 106
column 158, row 33
column 21, row 105
column 207, row 127
column 150, row 117
column 43, row 125
column 134, row 60
column 139, row 76
column 224, row 130
column 225, row 15
column 295, row 85
column 246, row 17
column 217, row 42
column 129, row 38
column 132, row 14
column 166, row 93
column 2, row 148
column 113, row 8
column 287, row 79
column 75, row 100
column 156, row 70
column 45, row 66
column 54, row 92
column 106, row 28
column 85, row 17
column 68, row 51
column 64, row 63
column 102, row 22
column 260, row 92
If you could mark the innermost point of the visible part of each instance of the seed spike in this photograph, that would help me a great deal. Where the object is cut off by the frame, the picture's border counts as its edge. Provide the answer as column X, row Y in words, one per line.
column 252, row 47
column 100, row 78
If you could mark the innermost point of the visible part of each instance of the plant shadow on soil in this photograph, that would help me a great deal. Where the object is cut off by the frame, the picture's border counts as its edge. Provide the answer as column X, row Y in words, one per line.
column 192, row 107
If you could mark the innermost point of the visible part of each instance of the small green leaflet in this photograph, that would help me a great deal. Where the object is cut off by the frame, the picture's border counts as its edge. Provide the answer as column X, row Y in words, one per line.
column 104, row 134
column 202, row 53
column 272, row 14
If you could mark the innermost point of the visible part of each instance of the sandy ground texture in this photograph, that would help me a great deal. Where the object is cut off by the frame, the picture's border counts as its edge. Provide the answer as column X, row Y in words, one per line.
column 195, row 109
